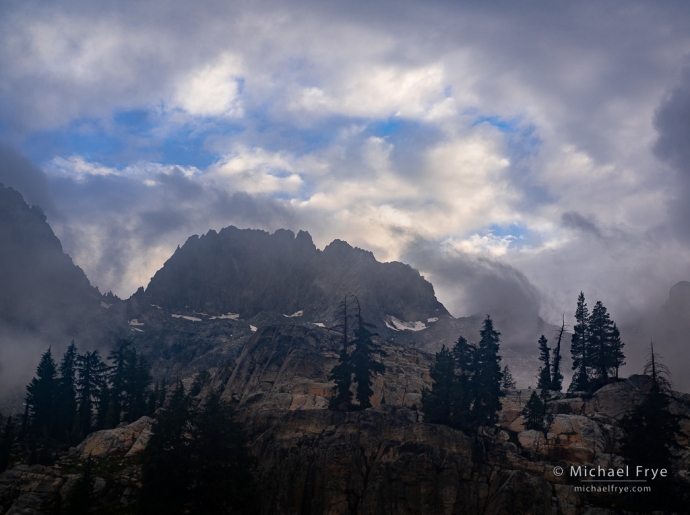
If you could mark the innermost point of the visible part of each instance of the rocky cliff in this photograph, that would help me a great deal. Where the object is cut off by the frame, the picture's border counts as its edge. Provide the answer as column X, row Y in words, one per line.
column 383, row 460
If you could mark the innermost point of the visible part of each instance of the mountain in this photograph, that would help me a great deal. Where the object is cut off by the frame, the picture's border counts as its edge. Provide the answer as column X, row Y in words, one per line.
column 45, row 299
column 199, row 308
column 42, row 289
column 249, row 272
column 383, row 460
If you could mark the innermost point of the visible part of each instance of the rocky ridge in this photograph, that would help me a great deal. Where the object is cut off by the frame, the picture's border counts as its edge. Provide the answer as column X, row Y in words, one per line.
column 385, row 459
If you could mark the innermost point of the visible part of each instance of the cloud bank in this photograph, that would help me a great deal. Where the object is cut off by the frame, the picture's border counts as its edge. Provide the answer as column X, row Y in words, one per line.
column 536, row 150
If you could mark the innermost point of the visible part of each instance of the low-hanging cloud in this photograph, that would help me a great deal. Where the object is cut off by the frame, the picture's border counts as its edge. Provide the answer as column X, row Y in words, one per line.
column 475, row 284
column 18, row 172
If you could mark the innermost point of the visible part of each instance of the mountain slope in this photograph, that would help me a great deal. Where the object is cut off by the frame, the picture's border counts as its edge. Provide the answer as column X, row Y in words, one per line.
column 249, row 272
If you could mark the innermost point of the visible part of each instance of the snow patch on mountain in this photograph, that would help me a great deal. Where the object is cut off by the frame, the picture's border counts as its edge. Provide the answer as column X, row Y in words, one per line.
column 295, row 314
column 400, row 325
column 191, row 319
column 229, row 316
column 135, row 322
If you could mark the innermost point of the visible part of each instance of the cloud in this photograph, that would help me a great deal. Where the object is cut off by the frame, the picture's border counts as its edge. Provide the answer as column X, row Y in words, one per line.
column 123, row 225
column 672, row 122
column 517, row 137
column 18, row 172
column 471, row 283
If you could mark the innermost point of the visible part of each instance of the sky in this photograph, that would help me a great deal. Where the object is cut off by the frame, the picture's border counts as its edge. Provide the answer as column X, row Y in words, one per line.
column 515, row 152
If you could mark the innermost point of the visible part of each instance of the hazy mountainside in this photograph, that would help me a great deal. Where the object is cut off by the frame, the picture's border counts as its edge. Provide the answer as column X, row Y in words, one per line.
column 202, row 303
column 248, row 272
column 42, row 289
column 45, row 299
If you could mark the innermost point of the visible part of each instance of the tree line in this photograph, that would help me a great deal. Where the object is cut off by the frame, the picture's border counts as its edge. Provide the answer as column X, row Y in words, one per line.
column 467, row 382
column 67, row 401
column 356, row 364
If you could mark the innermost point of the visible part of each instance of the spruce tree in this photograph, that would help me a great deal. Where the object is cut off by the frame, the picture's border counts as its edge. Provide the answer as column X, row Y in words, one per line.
column 599, row 334
column 66, row 397
column 486, row 382
column 579, row 348
column 545, row 370
column 617, row 356
column 438, row 403
column 465, row 356
column 342, row 372
column 40, row 399
column 91, row 375
column 137, row 380
column 120, row 357
column 508, row 383
column 534, row 413
column 363, row 364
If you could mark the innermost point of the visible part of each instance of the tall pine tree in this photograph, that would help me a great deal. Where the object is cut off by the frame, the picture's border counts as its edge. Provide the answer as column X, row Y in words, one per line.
column 40, row 399
column 579, row 348
column 545, row 370
column 91, row 375
column 617, row 356
column 599, row 344
column 486, row 381
column 364, row 366
column 66, row 395
column 439, row 402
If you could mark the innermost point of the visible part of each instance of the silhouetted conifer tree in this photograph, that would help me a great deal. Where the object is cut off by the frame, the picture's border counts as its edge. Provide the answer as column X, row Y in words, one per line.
column 534, row 412
column 66, row 395
column 508, row 383
column 599, row 336
column 363, row 364
column 91, row 376
column 40, row 399
column 439, row 402
column 486, row 381
column 617, row 356
column 342, row 371
column 545, row 369
column 196, row 460
column 579, row 348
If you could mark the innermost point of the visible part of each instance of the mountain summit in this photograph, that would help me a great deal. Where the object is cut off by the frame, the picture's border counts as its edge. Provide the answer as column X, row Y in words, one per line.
column 248, row 272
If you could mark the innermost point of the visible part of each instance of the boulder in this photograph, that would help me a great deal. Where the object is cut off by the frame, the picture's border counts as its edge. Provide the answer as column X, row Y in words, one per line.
column 115, row 442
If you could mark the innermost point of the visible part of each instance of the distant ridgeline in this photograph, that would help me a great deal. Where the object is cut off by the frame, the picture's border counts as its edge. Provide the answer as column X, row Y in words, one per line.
column 248, row 272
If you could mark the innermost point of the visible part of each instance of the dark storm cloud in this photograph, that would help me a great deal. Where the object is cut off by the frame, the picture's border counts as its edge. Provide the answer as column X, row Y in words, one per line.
column 672, row 122
column 18, row 172
column 574, row 220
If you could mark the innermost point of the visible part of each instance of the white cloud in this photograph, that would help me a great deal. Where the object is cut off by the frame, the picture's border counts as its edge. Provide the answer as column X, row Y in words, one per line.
column 212, row 90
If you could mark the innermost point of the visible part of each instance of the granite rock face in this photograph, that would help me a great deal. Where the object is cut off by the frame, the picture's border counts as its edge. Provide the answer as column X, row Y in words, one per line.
column 121, row 441
column 287, row 367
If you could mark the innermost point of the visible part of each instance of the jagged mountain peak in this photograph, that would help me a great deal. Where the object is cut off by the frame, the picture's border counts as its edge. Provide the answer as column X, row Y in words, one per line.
column 248, row 271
